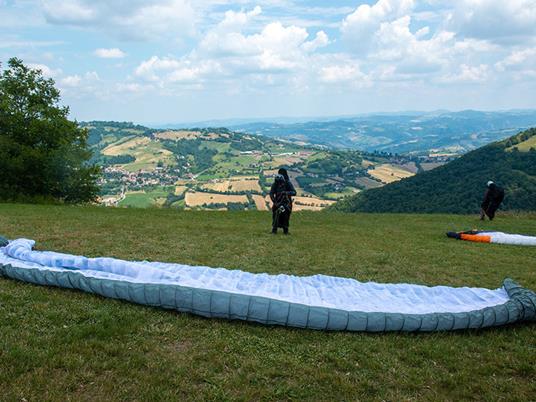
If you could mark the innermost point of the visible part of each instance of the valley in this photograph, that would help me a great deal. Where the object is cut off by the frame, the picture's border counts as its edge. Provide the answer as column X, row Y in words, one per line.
column 218, row 169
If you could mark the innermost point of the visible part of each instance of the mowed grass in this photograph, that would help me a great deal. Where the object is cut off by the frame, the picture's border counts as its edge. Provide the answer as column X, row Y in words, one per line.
column 58, row 344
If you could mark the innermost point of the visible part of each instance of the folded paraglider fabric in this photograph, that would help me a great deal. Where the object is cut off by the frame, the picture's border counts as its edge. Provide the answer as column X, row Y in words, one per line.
column 494, row 237
column 316, row 302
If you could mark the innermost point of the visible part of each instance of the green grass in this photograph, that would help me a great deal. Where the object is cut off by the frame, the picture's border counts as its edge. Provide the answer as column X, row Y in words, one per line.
column 144, row 199
column 58, row 344
column 526, row 145
column 335, row 196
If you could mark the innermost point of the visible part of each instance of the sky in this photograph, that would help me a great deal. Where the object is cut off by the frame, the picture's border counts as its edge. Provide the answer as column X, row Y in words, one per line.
column 173, row 61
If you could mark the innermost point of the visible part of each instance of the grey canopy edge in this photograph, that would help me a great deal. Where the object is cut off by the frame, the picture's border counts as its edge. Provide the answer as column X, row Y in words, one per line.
column 219, row 304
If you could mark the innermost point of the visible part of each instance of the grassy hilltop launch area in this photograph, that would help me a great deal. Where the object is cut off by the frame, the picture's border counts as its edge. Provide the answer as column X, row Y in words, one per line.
column 59, row 344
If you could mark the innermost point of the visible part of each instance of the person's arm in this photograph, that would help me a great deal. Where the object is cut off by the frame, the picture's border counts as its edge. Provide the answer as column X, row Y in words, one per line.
column 290, row 189
column 272, row 193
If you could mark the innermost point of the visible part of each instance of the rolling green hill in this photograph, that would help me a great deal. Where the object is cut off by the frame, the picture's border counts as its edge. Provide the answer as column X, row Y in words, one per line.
column 458, row 186
column 62, row 345
column 215, row 168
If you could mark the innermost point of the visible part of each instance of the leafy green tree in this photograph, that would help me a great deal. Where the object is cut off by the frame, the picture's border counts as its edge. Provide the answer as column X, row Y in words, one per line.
column 43, row 155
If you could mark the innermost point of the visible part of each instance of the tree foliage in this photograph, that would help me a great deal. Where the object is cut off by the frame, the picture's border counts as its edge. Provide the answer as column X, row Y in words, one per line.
column 43, row 155
column 458, row 187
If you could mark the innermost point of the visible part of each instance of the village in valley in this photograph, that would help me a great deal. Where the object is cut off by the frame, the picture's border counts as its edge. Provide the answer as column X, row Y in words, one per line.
column 217, row 169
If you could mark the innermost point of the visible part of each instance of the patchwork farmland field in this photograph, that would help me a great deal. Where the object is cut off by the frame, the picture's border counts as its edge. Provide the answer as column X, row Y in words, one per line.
column 260, row 202
column 388, row 173
column 198, row 199
column 138, row 160
column 234, row 184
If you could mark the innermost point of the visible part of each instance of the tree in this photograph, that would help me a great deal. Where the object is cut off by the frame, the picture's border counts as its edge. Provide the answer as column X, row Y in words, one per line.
column 43, row 155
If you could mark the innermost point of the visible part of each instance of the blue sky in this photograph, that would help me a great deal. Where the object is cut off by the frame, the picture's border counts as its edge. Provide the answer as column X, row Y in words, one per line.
column 167, row 61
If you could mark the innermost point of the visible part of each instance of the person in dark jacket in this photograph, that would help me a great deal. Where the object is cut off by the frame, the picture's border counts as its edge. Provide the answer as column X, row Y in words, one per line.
column 492, row 200
column 281, row 195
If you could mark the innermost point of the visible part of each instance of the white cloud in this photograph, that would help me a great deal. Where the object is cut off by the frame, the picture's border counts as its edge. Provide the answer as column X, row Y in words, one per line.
column 70, row 12
column 518, row 59
column 71, row 81
column 76, row 81
column 227, row 37
column 359, row 27
column 168, row 70
column 46, row 70
column 113, row 53
column 227, row 52
column 467, row 73
column 394, row 43
column 283, row 46
column 133, row 20
column 149, row 69
column 504, row 21
column 321, row 40
column 342, row 74
column 391, row 47
column 276, row 48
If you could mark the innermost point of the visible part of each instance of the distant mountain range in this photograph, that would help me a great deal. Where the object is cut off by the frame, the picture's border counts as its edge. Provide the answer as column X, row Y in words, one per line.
column 409, row 132
column 458, row 186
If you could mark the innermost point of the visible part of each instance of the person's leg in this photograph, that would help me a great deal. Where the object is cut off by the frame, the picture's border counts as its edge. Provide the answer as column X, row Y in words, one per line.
column 285, row 221
column 491, row 212
column 274, row 221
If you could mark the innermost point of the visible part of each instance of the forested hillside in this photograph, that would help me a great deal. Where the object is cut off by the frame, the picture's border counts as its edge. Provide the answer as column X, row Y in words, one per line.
column 458, row 186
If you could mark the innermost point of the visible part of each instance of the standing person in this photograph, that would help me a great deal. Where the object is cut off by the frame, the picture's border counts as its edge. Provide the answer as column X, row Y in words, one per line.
column 281, row 195
column 492, row 200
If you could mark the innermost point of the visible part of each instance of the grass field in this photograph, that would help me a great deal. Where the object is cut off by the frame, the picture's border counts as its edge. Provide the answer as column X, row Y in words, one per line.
column 147, row 153
column 389, row 173
column 58, row 344
column 144, row 199
column 526, row 145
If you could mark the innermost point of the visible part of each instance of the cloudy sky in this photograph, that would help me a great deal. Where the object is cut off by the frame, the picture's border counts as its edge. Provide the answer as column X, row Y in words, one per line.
column 167, row 61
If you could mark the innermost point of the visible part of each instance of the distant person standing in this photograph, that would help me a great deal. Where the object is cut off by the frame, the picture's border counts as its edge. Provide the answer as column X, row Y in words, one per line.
column 281, row 194
column 492, row 200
